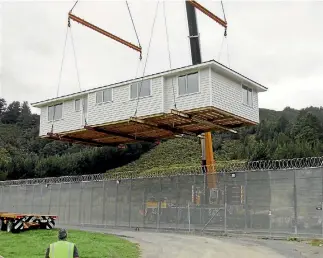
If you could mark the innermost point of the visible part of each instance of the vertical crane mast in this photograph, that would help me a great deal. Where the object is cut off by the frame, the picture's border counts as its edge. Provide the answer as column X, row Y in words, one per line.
column 197, row 59
column 206, row 139
column 193, row 34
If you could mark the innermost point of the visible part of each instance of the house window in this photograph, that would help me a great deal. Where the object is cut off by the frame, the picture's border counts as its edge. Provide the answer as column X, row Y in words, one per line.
column 188, row 84
column 84, row 103
column 55, row 112
column 104, row 96
column 247, row 95
column 99, row 96
column 107, row 95
column 140, row 89
column 77, row 105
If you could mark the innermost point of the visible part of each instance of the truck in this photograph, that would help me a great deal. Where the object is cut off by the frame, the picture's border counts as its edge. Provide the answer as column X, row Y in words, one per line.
column 17, row 222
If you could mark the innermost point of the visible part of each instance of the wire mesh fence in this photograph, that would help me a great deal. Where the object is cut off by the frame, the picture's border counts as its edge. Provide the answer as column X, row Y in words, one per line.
column 269, row 198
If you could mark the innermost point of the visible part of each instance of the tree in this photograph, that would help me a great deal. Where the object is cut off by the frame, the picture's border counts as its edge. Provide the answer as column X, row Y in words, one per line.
column 12, row 113
column 307, row 128
column 5, row 159
column 25, row 118
column 3, row 106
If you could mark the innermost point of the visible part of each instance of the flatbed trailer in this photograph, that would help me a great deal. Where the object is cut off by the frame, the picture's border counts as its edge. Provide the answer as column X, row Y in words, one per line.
column 16, row 222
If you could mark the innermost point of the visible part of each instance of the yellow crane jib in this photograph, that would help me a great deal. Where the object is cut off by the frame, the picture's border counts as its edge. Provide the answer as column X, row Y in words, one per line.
column 105, row 33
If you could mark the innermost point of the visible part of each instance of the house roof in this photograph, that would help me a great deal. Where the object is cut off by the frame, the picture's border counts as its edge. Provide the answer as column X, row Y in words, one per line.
column 218, row 67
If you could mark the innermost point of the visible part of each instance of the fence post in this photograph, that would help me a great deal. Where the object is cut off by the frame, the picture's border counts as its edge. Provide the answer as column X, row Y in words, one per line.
column 32, row 201
column 59, row 202
column 26, row 206
column 91, row 202
column 103, row 203
column 245, row 200
column 158, row 211
column 130, row 191
column 80, row 205
column 269, row 210
column 1, row 196
column 295, row 204
column 50, row 199
column 116, row 204
column 41, row 200
column 69, row 203
column 10, row 201
column 144, row 208
column 189, row 217
column 177, row 202
column 225, row 204
column 322, row 202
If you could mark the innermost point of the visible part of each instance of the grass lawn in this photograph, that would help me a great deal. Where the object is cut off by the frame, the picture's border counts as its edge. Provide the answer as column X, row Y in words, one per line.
column 33, row 244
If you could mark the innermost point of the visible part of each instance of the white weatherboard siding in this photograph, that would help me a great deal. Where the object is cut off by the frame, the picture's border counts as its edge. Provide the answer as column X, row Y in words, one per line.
column 227, row 95
column 221, row 89
column 71, row 119
column 122, row 107
column 190, row 101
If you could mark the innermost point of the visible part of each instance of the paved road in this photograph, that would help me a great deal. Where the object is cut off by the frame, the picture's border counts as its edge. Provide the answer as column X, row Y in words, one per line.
column 164, row 245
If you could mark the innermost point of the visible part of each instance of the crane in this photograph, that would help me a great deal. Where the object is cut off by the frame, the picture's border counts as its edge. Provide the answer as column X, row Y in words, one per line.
column 208, row 162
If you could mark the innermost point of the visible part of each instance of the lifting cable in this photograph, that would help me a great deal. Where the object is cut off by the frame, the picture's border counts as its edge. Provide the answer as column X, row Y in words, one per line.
column 225, row 19
column 82, row 101
column 224, row 38
column 133, row 24
column 68, row 29
column 151, row 35
column 74, row 6
column 59, row 78
column 75, row 60
column 169, row 55
column 225, row 34
column 134, row 27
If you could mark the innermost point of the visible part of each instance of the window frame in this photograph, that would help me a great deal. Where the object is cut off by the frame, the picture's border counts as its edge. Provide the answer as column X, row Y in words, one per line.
column 54, row 112
column 80, row 108
column 102, row 98
column 186, row 84
column 249, row 93
column 137, row 85
column 111, row 94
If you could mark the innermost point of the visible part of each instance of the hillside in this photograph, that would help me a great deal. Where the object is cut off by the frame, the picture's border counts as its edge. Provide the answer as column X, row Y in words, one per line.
column 282, row 134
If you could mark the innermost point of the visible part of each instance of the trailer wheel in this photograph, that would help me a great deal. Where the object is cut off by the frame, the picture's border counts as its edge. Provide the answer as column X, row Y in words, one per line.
column 2, row 225
column 10, row 227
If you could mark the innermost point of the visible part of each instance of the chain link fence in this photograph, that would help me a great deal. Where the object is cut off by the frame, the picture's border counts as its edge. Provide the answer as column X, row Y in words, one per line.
column 270, row 198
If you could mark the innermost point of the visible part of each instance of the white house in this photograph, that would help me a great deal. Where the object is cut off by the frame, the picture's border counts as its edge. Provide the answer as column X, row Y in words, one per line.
column 209, row 91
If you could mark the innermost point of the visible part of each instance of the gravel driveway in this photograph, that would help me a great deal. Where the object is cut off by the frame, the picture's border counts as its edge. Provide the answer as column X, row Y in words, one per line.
column 165, row 245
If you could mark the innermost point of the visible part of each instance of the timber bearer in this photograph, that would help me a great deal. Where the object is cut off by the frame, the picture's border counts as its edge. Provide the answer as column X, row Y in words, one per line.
column 62, row 248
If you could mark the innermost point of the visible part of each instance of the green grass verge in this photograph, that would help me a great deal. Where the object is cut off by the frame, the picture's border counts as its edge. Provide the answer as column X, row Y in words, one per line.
column 316, row 242
column 33, row 244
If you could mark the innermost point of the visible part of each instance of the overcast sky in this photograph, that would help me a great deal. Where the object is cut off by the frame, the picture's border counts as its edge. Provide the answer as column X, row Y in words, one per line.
column 277, row 43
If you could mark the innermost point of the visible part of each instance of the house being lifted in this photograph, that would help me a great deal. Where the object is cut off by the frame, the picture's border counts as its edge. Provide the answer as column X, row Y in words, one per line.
column 192, row 100
column 188, row 100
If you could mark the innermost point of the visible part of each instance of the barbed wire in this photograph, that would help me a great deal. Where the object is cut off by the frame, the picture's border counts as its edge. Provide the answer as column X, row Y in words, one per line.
column 219, row 167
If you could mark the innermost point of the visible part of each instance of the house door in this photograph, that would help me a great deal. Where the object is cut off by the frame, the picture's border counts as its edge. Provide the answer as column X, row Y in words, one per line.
column 84, row 110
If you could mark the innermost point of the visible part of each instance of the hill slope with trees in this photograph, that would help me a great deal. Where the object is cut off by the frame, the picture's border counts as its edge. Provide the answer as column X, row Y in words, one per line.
column 282, row 134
